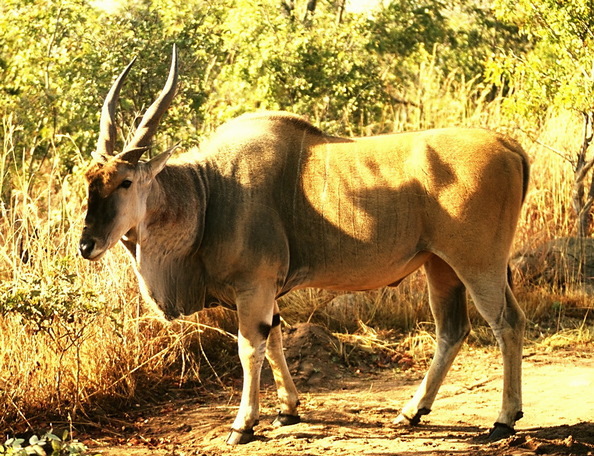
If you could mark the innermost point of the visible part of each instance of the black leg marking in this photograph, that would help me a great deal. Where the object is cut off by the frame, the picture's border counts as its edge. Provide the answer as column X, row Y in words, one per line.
column 264, row 330
column 275, row 320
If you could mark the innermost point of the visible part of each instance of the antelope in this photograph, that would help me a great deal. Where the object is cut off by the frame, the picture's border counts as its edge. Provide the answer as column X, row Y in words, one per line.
column 272, row 204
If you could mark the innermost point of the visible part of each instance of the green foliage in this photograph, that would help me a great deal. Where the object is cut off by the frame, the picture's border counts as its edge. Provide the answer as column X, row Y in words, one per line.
column 40, row 50
column 403, row 27
column 460, row 35
column 236, row 55
column 476, row 34
column 319, row 69
column 56, row 304
column 557, row 70
column 43, row 298
column 39, row 445
column 557, row 73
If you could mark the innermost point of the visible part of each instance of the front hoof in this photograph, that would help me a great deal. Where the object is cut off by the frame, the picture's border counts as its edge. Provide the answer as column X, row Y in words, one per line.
column 403, row 420
column 500, row 431
column 240, row 437
column 284, row 419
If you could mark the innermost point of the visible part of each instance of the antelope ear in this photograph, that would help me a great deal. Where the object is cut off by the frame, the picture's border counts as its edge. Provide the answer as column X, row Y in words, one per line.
column 155, row 165
column 132, row 155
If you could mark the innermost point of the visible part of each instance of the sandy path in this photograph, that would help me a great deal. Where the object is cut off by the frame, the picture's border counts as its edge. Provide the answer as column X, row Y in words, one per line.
column 352, row 415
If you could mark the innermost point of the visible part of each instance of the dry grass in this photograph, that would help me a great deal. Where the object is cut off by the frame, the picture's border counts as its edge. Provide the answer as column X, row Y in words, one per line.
column 74, row 335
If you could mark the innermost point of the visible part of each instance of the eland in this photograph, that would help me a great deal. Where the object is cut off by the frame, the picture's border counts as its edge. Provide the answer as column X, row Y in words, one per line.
column 272, row 204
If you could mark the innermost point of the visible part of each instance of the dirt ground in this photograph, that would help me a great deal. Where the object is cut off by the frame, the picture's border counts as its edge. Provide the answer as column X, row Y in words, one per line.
column 349, row 411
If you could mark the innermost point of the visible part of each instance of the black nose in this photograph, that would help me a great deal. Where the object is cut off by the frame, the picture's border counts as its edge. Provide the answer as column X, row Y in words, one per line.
column 86, row 247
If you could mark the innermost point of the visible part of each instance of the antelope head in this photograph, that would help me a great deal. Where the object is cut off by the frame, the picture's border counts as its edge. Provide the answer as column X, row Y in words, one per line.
column 119, row 182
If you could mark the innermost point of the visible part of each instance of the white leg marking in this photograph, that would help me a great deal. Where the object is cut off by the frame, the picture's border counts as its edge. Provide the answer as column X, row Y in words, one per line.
column 254, row 309
column 287, row 393
column 251, row 356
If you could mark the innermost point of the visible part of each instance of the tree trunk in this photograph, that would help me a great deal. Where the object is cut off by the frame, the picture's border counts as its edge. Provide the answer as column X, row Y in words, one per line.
column 341, row 8
column 582, row 202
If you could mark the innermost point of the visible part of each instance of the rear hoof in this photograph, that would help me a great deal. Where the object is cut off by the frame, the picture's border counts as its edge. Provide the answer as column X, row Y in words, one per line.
column 500, row 431
column 403, row 420
column 240, row 437
column 284, row 419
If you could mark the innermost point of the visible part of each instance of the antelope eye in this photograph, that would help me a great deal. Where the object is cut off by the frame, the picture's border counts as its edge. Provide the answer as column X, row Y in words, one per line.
column 126, row 184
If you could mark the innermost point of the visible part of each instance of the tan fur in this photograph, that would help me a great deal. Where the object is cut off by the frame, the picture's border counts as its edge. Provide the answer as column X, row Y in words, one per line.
column 272, row 204
column 106, row 177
